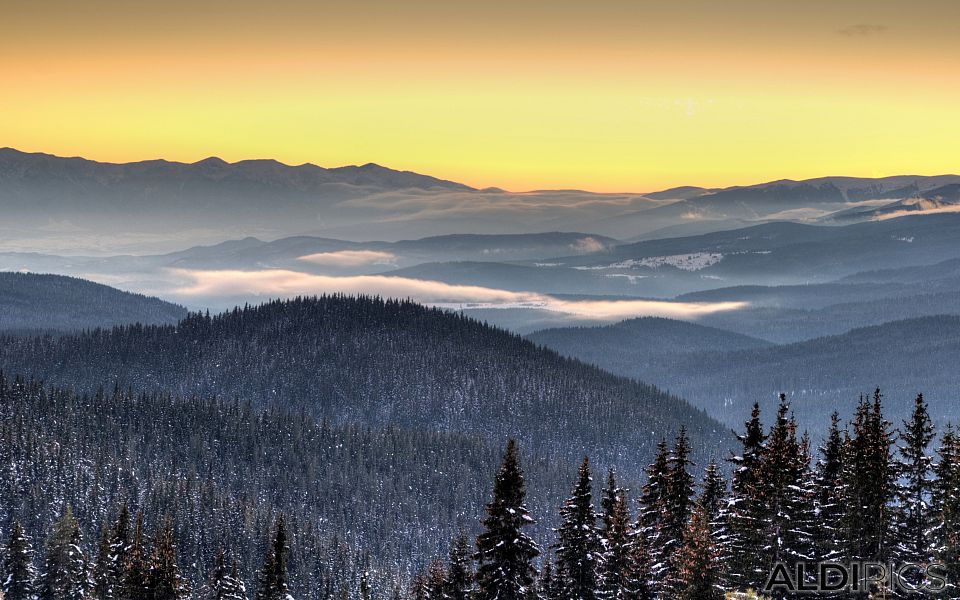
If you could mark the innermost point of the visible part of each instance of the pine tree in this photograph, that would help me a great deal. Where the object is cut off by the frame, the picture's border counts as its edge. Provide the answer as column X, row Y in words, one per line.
column 19, row 575
column 504, row 553
column 458, row 584
column 273, row 575
column 578, row 544
column 699, row 572
column 915, row 523
column 615, row 579
column 830, row 536
column 748, row 511
column 163, row 577
column 65, row 574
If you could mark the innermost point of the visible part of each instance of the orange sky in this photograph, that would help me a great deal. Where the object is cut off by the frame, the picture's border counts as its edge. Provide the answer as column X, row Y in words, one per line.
column 609, row 95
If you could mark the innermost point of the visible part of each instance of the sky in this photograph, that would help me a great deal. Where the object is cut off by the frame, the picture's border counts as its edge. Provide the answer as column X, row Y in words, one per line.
column 607, row 95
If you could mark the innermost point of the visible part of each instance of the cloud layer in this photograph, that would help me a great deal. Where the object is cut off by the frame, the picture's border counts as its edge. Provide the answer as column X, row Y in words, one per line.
column 350, row 258
column 197, row 284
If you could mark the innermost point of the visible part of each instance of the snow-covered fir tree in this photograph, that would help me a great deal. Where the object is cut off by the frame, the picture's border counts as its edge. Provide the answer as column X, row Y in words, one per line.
column 272, row 583
column 748, row 513
column 915, row 524
column 945, row 508
column 830, row 538
column 578, row 549
column 66, row 574
column 459, row 579
column 614, row 579
column 699, row 567
column 714, row 500
column 678, row 507
column 870, row 483
column 164, row 581
column 18, row 575
column 134, row 564
column 505, row 553
column 652, row 518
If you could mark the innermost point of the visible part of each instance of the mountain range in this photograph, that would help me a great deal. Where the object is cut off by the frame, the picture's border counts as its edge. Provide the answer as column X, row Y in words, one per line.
column 72, row 203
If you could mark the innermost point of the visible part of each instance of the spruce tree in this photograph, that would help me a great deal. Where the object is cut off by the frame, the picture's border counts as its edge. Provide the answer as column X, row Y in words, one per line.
column 65, row 571
column 713, row 499
column 163, row 577
column 946, row 510
column 113, row 573
column 19, row 575
column 678, row 506
column 458, row 584
column 578, row 544
column 652, row 517
column 102, row 586
column 218, row 576
column 545, row 584
column 615, row 578
column 435, row 580
column 640, row 584
column 785, row 486
column 233, row 587
column 870, row 474
column 699, row 568
column 273, row 575
column 830, row 539
column 133, row 560
column 505, row 553
column 748, row 512
column 915, row 522
column 364, row 586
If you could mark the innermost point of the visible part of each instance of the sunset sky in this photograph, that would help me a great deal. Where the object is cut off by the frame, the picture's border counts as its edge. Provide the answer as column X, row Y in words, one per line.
column 607, row 95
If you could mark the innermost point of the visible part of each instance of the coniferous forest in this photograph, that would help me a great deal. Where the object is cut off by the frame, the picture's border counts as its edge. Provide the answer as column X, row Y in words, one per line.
column 124, row 495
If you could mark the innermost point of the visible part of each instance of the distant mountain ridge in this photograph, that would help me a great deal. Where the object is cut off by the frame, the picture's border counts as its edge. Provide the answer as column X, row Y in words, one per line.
column 24, row 166
column 57, row 200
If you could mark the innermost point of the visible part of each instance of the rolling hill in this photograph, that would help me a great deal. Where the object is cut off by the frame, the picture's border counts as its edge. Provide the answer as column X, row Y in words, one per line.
column 53, row 302
column 358, row 360
column 820, row 375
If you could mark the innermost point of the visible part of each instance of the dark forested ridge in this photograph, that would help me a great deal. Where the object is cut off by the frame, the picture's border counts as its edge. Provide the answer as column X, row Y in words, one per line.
column 30, row 301
column 376, row 362
column 821, row 374
column 629, row 346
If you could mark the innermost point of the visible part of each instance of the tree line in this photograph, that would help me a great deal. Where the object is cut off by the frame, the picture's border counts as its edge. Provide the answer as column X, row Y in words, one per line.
column 129, row 565
column 872, row 494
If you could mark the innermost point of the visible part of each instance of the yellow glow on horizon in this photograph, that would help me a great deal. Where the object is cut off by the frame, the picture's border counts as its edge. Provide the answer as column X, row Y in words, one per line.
column 545, row 101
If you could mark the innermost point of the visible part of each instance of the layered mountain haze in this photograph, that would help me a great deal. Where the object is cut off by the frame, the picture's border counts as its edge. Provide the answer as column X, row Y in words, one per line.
column 70, row 204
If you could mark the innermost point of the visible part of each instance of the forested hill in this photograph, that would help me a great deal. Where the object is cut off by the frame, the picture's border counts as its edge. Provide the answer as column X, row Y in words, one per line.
column 30, row 301
column 378, row 362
